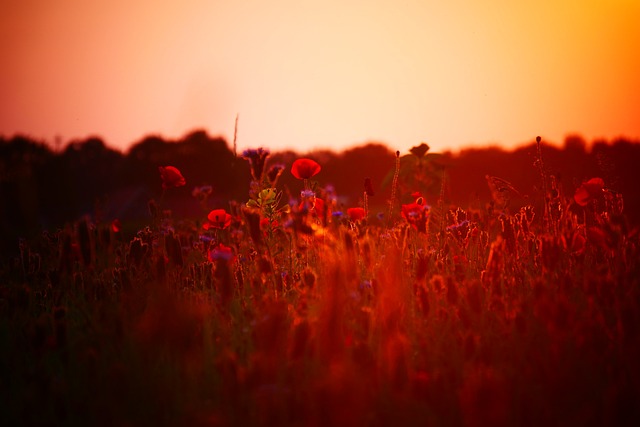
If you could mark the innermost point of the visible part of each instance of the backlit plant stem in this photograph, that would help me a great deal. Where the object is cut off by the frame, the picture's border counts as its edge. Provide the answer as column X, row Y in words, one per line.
column 365, row 205
column 394, row 185
column 544, row 185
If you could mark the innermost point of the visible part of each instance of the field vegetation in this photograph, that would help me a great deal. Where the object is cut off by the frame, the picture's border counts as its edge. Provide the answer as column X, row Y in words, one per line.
column 289, row 306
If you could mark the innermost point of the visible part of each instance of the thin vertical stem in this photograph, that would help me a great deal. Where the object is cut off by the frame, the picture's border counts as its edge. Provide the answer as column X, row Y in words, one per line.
column 235, row 137
column 394, row 187
column 441, row 211
column 544, row 184
column 365, row 205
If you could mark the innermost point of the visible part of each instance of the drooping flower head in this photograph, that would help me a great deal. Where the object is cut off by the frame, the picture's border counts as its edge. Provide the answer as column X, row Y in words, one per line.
column 218, row 218
column 257, row 159
column 171, row 177
column 589, row 190
column 305, row 168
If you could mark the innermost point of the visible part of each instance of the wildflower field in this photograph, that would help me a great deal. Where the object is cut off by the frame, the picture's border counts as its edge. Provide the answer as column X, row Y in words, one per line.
column 290, row 308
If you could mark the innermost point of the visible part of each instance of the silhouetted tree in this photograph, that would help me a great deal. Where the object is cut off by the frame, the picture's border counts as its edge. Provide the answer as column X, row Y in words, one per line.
column 21, row 164
column 90, row 171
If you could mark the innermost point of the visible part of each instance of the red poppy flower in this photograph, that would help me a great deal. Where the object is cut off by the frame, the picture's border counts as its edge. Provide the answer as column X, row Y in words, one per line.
column 588, row 191
column 305, row 168
column 412, row 211
column 171, row 177
column 416, row 215
column 356, row 214
column 116, row 226
column 218, row 218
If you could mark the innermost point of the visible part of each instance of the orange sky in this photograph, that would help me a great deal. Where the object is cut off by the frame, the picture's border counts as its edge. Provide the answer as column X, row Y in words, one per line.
column 307, row 74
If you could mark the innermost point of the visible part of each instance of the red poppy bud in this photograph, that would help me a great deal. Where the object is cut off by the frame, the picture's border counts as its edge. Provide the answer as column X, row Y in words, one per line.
column 171, row 177
column 416, row 215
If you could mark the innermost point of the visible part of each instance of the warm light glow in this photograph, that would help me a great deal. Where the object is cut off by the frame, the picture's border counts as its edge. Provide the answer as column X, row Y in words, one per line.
column 305, row 74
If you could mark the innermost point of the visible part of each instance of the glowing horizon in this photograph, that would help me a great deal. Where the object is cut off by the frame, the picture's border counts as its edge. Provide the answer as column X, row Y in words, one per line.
column 306, row 75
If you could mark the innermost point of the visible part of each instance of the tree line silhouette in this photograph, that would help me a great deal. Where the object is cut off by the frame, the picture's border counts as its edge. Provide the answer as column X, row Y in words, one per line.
column 42, row 189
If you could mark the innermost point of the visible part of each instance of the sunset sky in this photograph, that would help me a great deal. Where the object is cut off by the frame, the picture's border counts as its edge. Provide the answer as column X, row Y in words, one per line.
column 307, row 74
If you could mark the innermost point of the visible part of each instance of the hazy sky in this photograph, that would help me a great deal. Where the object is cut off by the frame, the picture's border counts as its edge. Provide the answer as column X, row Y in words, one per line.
column 306, row 74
